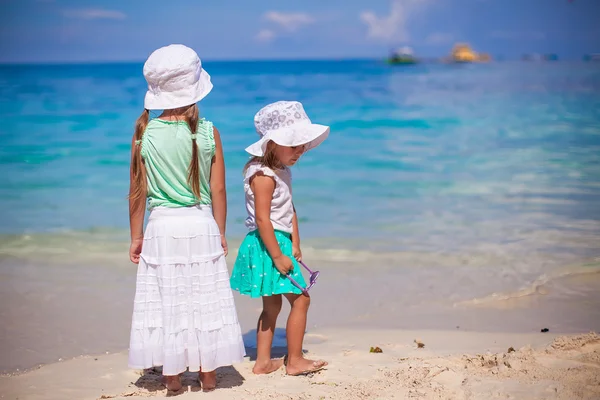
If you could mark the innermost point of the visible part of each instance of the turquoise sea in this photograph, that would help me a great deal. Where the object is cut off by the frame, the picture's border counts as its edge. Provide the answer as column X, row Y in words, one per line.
column 442, row 189
column 498, row 159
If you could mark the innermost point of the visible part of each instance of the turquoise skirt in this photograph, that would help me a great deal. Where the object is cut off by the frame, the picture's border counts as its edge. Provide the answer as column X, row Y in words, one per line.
column 254, row 273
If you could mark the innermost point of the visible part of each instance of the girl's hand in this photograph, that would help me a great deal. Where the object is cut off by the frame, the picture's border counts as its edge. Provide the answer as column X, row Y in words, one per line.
column 296, row 252
column 283, row 264
column 224, row 245
column 135, row 249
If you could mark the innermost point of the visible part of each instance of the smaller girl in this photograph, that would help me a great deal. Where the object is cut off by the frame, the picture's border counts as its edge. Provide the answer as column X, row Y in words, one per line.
column 271, row 250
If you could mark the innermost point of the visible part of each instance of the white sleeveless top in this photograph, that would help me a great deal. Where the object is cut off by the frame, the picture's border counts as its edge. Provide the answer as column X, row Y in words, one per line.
column 282, row 209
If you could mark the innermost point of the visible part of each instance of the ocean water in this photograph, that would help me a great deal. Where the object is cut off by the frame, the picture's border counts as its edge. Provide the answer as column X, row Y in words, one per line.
column 497, row 163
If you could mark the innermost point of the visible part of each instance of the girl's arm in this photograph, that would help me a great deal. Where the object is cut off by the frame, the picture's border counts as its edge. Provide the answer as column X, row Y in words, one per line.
column 297, row 253
column 218, row 190
column 263, row 188
column 137, row 208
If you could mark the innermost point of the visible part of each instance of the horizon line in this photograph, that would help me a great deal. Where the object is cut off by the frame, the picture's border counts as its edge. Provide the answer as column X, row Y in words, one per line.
column 425, row 60
column 204, row 60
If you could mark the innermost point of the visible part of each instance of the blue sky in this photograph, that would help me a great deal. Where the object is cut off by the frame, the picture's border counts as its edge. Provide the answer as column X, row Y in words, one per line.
column 124, row 30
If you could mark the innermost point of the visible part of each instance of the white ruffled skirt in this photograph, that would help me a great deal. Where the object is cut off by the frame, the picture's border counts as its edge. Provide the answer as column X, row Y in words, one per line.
column 184, row 315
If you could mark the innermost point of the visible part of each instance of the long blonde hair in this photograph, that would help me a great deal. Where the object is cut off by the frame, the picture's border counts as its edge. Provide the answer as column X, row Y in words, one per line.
column 269, row 159
column 191, row 116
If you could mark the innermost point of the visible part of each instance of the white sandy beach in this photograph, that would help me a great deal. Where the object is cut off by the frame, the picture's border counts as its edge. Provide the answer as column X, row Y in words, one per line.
column 69, row 330
column 452, row 365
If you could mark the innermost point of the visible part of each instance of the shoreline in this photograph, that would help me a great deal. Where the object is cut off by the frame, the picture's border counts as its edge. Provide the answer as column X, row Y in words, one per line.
column 82, row 309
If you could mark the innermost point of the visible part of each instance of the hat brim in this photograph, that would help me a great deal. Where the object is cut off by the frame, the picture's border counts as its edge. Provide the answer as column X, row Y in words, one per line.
column 181, row 98
column 311, row 135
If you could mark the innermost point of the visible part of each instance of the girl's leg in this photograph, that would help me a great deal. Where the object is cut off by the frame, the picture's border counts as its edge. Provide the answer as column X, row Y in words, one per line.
column 296, row 326
column 264, row 336
column 173, row 383
column 208, row 380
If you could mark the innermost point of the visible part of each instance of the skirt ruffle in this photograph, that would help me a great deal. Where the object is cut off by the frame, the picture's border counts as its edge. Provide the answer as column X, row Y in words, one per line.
column 184, row 315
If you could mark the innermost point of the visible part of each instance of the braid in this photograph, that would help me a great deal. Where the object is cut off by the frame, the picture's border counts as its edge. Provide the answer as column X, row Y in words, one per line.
column 138, row 171
column 193, row 179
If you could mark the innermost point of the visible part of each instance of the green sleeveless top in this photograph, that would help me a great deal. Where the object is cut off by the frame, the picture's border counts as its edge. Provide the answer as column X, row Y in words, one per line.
column 167, row 151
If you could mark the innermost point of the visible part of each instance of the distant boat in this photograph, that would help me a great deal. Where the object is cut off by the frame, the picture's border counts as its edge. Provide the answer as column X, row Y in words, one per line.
column 540, row 57
column 403, row 55
column 462, row 53
column 592, row 57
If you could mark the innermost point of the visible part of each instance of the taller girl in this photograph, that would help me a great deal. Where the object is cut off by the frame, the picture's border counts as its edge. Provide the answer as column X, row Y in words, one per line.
column 184, row 315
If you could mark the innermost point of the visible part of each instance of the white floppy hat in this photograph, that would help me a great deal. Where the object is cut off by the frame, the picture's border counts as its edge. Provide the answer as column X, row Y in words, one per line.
column 286, row 123
column 175, row 78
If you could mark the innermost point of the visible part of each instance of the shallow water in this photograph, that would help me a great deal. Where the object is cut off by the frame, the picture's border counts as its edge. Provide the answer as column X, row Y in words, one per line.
column 439, row 186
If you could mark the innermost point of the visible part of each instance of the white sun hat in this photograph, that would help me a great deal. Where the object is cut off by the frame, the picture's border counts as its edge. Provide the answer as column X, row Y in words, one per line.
column 175, row 78
column 286, row 123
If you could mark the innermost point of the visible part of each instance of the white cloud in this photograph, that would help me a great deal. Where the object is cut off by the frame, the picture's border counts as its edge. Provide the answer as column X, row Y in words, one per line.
column 94, row 13
column 533, row 35
column 439, row 38
column 289, row 21
column 265, row 35
column 393, row 25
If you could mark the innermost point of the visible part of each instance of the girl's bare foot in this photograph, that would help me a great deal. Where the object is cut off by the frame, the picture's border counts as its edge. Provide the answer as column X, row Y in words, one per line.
column 268, row 367
column 302, row 366
column 173, row 383
column 208, row 380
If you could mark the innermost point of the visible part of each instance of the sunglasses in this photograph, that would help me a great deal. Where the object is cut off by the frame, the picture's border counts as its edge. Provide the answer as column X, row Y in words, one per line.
column 311, row 280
